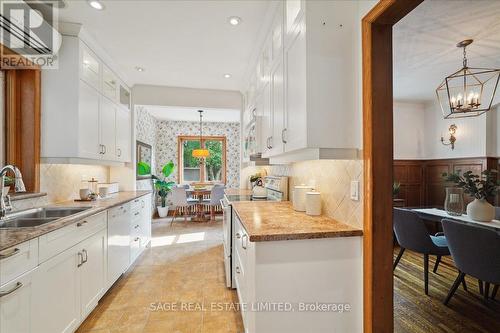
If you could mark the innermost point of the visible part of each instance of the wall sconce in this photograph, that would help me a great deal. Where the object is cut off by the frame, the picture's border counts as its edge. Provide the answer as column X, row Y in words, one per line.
column 451, row 141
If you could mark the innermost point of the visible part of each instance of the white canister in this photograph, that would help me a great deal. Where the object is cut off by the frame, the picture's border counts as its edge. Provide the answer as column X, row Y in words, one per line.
column 313, row 203
column 299, row 197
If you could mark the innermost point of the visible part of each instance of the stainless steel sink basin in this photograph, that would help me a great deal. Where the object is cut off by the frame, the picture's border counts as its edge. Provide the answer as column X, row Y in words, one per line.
column 38, row 216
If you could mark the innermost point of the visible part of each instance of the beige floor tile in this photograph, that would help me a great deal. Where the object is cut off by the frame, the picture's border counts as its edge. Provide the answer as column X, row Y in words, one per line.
column 188, row 273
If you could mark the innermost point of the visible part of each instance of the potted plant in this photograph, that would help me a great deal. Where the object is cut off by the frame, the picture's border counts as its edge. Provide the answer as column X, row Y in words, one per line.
column 162, row 186
column 396, row 188
column 480, row 187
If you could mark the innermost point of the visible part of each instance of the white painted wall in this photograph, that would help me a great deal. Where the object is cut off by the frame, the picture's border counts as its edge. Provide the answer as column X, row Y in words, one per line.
column 409, row 131
column 471, row 134
column 418, row 128
column 186, row 97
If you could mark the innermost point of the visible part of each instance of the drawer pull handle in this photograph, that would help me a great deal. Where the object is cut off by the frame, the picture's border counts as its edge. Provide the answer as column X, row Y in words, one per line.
column 244, row 241
column 137, row 213
column 81, row 224
column 136, row 200
column 5, row 293
column 86, row 256
column 238, row 235
column 238, row 270
column 10, row 254
column 80, row 259
column 137, row 226
column 136, row 239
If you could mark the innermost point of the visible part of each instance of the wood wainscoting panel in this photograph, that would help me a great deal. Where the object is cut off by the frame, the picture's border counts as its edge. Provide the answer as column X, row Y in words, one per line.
column 410, row 174
column 422, row 181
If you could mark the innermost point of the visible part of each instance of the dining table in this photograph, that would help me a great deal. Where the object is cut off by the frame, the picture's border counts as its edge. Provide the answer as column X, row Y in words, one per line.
column 200, row 194
column 436, row 215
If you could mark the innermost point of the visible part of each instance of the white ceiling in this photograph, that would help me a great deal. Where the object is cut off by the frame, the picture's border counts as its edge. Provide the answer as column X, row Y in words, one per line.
column 425, row 44
column 178, row 43
column 175, row 113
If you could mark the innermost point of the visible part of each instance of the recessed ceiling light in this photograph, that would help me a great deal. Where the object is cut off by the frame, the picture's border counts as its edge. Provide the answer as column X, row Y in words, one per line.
column 139, row 69
column 96, row 4
column 227, row 75
column 234, row 20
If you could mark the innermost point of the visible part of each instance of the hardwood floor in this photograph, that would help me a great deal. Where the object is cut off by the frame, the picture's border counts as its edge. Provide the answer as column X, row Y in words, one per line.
column 415, row 312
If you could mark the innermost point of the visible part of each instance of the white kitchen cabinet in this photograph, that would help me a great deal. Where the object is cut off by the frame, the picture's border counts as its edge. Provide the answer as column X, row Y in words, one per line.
column 265, row 120
column 295, row 133
column 109, row 84
column 313, row 75
column 145, row 233
column 107, row 129
column 123, row 135
column 118, row 242
column 88, row 122
column 298, row 272
column 276, row 141
column 16, row 305
column 93, row 271
column 18, row 260
column 83, row 94
column 90, row 67
column 57, row 293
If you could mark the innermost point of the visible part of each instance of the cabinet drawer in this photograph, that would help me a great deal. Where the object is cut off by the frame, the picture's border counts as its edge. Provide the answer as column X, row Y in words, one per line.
column 241, row 243
column 118, row 211
column 137, row 204
column 59, row 240
column 135, row 248
column 17, row 260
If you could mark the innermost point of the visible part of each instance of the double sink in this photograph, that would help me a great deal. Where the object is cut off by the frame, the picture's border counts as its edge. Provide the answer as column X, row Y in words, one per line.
column 38, row 216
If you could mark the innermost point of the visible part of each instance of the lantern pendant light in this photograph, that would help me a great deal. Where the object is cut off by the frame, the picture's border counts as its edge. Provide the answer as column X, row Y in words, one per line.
column 201, row 152
column 468, row 92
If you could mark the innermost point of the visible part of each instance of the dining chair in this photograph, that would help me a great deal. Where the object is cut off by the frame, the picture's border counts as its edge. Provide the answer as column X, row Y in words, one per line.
column 474, row 250
column 180, row 202
column 216, row 195
column 412, row 234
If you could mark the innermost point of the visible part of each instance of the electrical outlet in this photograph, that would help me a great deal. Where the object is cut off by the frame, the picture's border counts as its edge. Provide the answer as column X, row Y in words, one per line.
column 355, row 190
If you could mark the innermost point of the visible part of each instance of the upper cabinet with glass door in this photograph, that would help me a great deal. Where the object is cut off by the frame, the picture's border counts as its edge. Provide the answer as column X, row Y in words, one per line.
column 109, row 84
column 90, row 67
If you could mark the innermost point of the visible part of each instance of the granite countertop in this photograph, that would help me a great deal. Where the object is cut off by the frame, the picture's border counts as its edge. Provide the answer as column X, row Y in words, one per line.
column 26, row 195
column 14, row 236
column 237, row 191
column 275, row 221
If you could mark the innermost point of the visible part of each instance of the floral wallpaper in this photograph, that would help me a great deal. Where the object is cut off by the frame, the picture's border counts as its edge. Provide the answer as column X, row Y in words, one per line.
column 166, row 144
column 162, row 136
column 145, row 132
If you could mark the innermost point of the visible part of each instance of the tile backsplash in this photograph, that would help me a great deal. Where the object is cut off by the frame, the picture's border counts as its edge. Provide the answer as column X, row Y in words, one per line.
column 62, row 182
column 330, row 177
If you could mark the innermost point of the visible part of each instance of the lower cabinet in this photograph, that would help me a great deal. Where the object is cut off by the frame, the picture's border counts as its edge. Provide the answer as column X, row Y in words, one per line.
column 57, row 293
column 93, row 271
column 68, row 286
column 16, row 306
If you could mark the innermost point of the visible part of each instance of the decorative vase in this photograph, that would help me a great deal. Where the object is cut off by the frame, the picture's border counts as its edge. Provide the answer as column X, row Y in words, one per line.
column 162, row 211
column 481, row 210
column 454, row 203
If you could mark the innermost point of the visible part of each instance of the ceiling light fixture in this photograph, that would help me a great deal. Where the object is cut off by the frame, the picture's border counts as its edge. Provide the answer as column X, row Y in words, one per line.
column 139, row 69
column 96, row 4
column 468, row 92
column 202, row 152
column 234, row 20
column 227, row 75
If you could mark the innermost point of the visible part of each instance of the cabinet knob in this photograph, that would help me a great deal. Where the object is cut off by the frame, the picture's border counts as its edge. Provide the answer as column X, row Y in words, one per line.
column 81, row 224
column 238, row 270
column 238, row 235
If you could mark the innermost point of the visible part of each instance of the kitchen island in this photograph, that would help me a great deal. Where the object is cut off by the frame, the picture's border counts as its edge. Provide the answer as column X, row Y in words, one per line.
column 294, row 272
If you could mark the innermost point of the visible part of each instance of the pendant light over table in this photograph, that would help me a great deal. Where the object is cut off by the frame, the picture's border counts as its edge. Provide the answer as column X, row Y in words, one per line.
column 201, row 152
column 468, row 92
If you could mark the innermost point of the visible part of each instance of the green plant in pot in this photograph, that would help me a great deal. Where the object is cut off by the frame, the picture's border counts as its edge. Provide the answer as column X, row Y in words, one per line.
column 162, row 186
column 480, row 187
column 396, row 188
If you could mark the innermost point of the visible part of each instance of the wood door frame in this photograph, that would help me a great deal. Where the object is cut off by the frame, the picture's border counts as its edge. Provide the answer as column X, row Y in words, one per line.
column 22, row 116
column 182, row 138
column 378, row 311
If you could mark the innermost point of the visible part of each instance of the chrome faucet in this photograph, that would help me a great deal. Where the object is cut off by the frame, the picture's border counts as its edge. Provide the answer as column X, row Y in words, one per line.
column 5, row 204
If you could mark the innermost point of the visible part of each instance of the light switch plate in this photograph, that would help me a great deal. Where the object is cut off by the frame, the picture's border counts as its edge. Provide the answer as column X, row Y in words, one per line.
column 355, row 190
